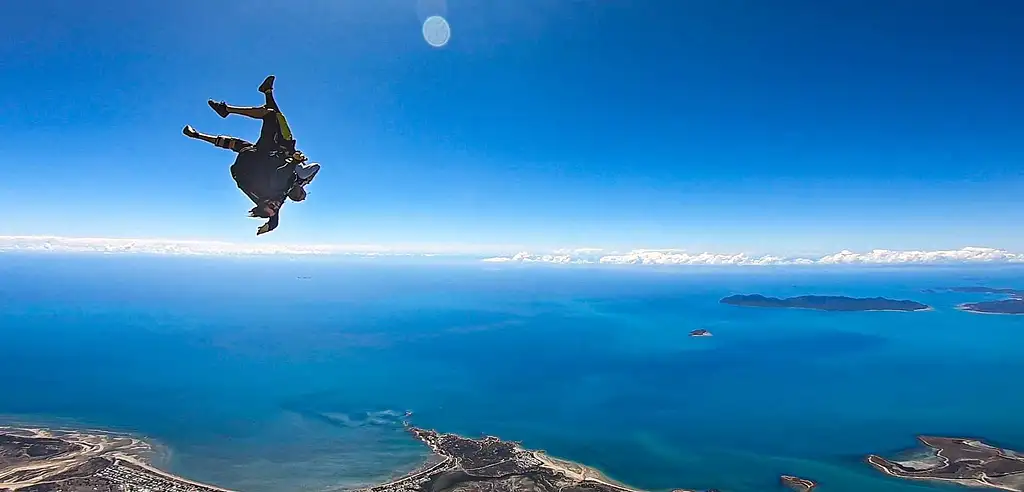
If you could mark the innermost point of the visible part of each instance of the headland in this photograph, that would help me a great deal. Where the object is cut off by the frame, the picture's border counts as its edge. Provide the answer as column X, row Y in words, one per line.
column 826, row 303
column 968, row 462
column 491, row 464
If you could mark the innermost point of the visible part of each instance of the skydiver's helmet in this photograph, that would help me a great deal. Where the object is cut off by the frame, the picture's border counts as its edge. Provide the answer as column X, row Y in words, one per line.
column 297, row 194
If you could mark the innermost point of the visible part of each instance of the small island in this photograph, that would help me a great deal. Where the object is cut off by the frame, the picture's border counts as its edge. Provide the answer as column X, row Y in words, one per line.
column 1013, row 304
column 798, row 484
column 967, row 462
column 826, row 303
column 700, row 333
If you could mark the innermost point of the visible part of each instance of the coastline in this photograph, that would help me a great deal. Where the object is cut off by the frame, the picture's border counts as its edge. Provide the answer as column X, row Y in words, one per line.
column 85, row 446
column 804, row 308
column 974, row 484
column 964, row 308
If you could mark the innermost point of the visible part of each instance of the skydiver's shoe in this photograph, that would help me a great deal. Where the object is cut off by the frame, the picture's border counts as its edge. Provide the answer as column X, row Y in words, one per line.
column 267, row 85
column 305, row 173
column 220, row 107
column 189, row 131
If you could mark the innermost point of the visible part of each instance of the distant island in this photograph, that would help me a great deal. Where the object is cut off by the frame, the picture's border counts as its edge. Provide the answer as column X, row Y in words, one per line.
column 798, row 484
column 966, row 462
column 1013, row 304
column 700, row 333
column 826, row 303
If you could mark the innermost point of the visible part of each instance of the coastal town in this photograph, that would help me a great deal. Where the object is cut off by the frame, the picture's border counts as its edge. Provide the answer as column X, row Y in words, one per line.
column 38, row 460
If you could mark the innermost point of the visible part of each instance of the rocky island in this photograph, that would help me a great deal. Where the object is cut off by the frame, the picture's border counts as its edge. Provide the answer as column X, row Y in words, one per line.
column 966, row 462
column 700, row 333
column 826, row 303
column 798, row 484
column 1013, row 304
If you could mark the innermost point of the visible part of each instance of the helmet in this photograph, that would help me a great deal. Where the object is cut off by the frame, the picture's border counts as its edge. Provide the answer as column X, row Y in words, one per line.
column 297, row 194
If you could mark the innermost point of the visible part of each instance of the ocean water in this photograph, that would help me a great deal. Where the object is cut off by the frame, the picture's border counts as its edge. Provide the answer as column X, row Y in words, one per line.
column 252, row 378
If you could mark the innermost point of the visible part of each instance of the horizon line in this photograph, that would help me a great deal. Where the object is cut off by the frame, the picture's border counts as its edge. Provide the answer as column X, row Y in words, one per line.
column 497, row 253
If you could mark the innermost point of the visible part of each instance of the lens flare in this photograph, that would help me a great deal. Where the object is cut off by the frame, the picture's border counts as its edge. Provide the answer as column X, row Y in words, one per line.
column 436, row 31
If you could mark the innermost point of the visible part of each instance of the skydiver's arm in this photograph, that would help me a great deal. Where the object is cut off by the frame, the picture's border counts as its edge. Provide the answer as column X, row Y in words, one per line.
column 270, row 225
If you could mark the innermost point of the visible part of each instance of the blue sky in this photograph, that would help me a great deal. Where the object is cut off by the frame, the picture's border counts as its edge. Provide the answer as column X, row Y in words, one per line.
column 785, row 127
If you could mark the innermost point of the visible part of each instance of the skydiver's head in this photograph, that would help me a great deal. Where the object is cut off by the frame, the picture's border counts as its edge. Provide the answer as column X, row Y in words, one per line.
column 297, row 194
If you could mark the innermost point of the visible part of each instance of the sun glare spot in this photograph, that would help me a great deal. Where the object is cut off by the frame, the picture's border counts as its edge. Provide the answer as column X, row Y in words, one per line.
column 436, row 31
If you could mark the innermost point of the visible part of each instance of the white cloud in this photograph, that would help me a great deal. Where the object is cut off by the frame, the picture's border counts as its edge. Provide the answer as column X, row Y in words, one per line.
column 964, row 255
column 575, row 256
column 524, row 257
column 58, row 244
column 875, row 257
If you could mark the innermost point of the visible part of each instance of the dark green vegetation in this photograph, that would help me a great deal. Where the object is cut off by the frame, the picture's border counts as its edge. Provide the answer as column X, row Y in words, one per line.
column 1014, row 304
column 826, row 303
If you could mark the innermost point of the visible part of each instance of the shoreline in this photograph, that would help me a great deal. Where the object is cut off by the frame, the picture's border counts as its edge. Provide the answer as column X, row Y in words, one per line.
column 974, row 484
column 84, row 446
column 929, row 308
column 964, row 308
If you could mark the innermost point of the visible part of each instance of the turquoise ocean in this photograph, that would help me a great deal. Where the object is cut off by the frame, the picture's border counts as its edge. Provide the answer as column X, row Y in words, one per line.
column 253, row 377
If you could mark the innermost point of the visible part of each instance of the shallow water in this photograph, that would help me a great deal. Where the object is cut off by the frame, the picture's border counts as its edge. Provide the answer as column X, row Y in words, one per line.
column 303, row 389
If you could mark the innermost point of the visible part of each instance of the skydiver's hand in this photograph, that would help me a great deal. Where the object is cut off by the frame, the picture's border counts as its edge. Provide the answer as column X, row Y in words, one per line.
column 265, row 228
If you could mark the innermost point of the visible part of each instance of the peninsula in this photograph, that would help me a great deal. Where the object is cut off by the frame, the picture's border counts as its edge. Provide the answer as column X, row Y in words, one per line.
column 966, row 462
column 1012, row 304
column 826, row 303
column 493, row 465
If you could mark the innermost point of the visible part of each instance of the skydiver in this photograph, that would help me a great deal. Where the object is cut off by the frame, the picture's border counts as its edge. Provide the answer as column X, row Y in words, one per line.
column 270, row 170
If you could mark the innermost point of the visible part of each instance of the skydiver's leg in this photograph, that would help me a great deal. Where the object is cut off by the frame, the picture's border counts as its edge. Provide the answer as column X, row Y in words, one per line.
column 231, row 143
column 224, row 109
column 270, row 132
column 267, row 88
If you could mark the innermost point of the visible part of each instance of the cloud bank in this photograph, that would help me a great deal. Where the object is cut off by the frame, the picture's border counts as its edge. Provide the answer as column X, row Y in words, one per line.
column 56, row 244
column 678, row 257
column 578, row 256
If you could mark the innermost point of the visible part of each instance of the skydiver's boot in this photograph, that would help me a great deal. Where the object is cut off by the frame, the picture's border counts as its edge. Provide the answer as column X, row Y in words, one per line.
column 267, row 85
column 220, row 107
